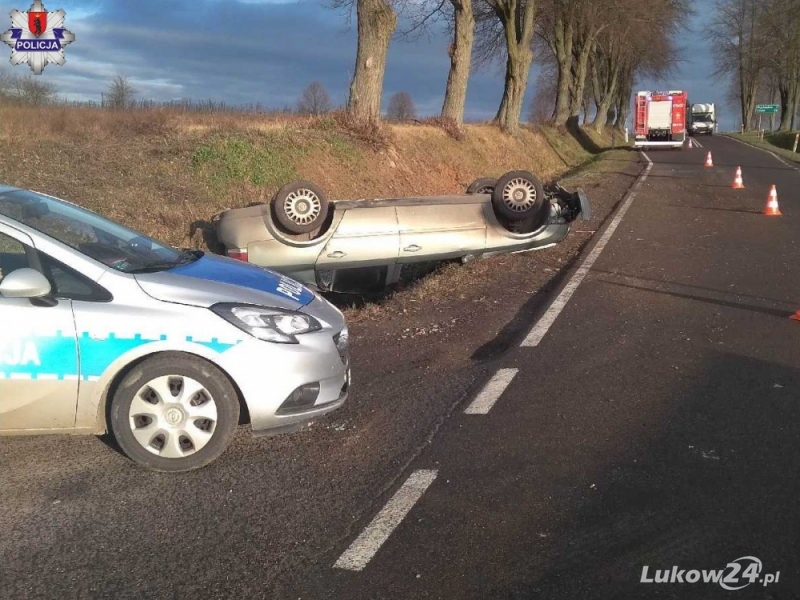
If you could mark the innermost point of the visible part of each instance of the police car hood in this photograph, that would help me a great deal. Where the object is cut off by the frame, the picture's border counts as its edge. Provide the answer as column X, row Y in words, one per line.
column 213, row 279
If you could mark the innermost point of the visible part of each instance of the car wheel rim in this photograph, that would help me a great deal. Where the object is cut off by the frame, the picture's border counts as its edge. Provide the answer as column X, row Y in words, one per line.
column 519, row 195
column 173, row 416
column 302, row 206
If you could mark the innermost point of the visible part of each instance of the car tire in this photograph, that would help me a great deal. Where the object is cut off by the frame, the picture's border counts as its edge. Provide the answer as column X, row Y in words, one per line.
column 519, row 196
column 482, row 185
column 160, row 429
column 300, row 207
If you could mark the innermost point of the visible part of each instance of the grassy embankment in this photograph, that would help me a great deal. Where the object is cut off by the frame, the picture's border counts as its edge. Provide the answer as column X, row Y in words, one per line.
column 166, row 173
column 779, row 142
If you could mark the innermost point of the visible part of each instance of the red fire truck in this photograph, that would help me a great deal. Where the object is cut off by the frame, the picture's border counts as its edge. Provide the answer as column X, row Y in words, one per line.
column 659, row 119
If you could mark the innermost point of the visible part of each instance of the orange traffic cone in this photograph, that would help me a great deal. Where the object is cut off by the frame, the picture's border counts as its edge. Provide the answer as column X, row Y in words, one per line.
column 738, row 184
column 772, row 209
column 795, row 316
column 709, row 162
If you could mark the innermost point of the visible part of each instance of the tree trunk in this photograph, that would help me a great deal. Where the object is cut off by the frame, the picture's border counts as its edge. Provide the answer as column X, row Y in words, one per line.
column 517, row 67
column 518, row 20
column 581, row 65
column 455, row 94
column 785, row 107
column 563, row 51
column 624, row 101
column 585, row 109
column 376, row 24
column 749, row 102
column 607, row 99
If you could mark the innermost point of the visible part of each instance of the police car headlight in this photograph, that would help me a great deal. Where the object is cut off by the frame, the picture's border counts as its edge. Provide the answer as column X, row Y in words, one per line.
column 342, row 339
column 269, row 324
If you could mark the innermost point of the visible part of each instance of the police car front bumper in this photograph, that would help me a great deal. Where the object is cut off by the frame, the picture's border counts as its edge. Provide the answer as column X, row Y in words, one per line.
column 287, row 385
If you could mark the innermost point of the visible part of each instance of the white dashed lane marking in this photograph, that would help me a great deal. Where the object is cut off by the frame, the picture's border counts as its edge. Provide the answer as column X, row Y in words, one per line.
column 543, row 325
column 491, row 392
column 361, row 551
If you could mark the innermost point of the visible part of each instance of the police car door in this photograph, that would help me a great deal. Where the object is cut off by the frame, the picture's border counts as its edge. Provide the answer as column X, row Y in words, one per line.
column 38, row 350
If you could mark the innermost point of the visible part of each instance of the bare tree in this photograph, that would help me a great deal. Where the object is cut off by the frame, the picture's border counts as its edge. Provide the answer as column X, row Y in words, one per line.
column 315, row 100
column 401, row 107
column 459, row 17
column 517, row 18
column 541, row 105
column 376, row 24
column 26, row 89
column 736, row 35
column 5, row 83
column 120, row 93
column 460, row 52
column 596, row 48
column 780, row 25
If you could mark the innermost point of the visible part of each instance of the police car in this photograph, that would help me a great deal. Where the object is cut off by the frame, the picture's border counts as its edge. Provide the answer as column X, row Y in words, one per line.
column 105, row 329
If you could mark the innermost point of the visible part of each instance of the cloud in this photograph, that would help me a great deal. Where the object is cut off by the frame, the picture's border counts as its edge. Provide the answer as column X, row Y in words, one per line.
column 267, row 51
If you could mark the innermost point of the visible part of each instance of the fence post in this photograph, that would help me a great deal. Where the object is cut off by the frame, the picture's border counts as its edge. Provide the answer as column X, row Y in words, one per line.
column 626, row 135
column 796, row 139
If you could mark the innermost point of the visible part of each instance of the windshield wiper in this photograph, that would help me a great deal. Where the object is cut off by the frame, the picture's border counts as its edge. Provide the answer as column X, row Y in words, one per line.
column 186, row 256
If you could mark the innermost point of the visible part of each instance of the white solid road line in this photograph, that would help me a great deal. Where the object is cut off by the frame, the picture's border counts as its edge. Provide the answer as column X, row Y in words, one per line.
column 543, row 325
column 378, row 531
column 695, row 142
column 491, row 392
column 792, row 166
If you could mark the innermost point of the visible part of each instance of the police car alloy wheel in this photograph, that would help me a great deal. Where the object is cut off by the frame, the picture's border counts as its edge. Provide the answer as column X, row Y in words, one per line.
column 174, row 413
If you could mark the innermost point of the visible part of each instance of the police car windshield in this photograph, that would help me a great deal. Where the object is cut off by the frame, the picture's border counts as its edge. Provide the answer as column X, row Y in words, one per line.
column 90, row 234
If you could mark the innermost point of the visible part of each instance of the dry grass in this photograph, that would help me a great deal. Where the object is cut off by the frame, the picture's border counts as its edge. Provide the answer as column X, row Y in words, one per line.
column 166, row 172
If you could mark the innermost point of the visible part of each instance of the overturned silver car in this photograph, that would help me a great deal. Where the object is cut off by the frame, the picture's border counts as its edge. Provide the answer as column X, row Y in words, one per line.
column 353, row 246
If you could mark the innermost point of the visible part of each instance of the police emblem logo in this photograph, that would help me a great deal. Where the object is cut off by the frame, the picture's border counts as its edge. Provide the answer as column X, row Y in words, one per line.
column 37, row 37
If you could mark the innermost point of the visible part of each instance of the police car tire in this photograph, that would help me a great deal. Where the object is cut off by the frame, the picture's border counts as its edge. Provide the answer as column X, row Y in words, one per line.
column 536, row 213
column 482, row 185
column 295, row 194
column 202, row 371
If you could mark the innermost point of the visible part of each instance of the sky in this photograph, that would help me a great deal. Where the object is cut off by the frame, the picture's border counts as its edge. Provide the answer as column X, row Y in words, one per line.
column 268, row 51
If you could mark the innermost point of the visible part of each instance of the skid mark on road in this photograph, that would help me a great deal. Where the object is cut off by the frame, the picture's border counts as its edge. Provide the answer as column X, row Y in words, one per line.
column 543, row 325
column 366, row 545
column 491, row 393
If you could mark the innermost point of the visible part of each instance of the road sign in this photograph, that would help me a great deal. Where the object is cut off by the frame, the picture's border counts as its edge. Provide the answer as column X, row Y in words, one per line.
column 766, row 108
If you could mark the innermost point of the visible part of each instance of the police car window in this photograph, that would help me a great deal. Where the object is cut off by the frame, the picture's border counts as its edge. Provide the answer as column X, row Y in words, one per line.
column 12, row 255
column 105, row 241
column 68, row 283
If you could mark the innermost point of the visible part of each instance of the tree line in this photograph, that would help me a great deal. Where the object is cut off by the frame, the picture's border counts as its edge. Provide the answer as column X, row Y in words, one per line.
column 25, row 89
column 594, row 50
column 756, row 46
column 315, row 100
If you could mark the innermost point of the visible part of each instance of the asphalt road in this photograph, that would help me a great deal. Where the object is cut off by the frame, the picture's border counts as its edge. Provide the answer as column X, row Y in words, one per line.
column 656, row 424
